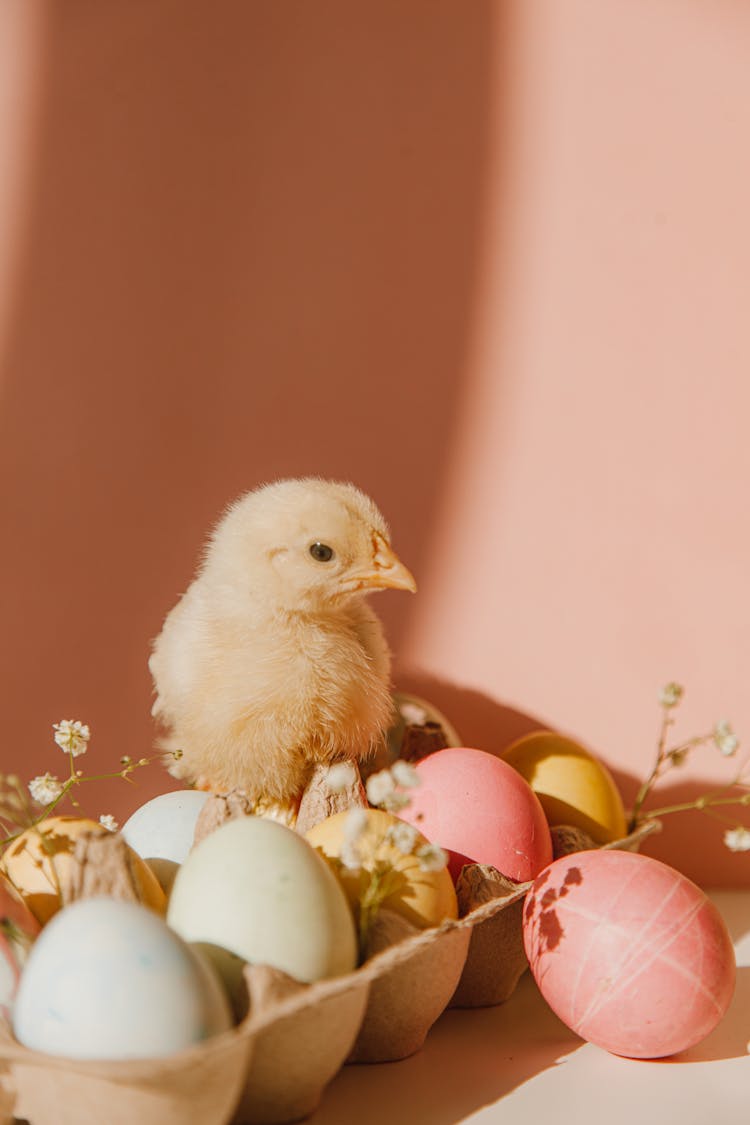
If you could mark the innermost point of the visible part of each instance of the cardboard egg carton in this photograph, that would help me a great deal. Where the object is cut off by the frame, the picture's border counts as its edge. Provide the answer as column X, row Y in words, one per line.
column 275, row 1065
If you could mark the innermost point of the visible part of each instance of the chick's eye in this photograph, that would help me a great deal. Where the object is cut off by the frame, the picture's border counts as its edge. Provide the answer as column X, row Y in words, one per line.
column 321, row 552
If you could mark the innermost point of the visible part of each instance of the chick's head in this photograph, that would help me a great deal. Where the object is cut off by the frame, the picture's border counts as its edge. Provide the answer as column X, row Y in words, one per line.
column 305, row 545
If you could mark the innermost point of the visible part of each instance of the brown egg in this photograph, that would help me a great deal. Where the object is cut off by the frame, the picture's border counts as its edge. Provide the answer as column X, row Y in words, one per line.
column 40, row 862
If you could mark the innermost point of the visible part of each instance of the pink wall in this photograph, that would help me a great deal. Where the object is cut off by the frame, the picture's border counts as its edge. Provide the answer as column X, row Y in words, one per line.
column 489, row 261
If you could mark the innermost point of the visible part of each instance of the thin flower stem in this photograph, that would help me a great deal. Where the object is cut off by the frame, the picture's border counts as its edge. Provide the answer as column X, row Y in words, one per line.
column 66, row 788
column 702, row 804
column 645, row 788
column 665, row 761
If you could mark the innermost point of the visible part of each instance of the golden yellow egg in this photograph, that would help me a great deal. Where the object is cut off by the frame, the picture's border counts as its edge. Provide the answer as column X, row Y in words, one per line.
column 424, row 898
column 39, row 863
column 572, row 785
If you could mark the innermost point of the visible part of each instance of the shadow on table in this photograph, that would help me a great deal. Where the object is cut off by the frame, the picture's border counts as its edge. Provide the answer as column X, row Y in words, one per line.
column 471, row 1059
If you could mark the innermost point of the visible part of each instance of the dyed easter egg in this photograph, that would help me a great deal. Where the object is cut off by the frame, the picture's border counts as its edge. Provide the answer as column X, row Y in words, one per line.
column 110, row 980
column 572, row 785
column 628, row 952
column 18, row 929
column 162, row 830
column 480, row 810
column 261, row 893
column 423, row 897
column 40, row 861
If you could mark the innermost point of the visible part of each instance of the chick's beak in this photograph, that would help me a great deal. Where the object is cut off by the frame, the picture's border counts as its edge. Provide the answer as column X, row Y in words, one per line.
column 387, row 572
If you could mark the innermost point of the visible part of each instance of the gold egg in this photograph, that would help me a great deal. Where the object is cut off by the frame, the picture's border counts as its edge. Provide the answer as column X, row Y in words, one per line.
column 40, row 862
column 424, row 898
column 572, row 785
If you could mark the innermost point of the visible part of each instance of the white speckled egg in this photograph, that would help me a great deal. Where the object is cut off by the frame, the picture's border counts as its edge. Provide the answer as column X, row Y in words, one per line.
column 257, row 889
column 161, row 831
column 109, row 980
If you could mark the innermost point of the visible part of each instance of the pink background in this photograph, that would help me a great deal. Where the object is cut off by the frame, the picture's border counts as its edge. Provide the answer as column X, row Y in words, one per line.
column 487, row 260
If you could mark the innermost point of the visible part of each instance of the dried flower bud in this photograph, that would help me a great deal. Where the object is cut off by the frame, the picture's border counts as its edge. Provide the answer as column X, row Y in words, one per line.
column 725, row 738
column 671, row 694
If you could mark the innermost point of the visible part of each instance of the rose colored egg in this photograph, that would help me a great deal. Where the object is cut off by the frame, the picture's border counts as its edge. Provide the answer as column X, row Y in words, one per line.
column 628, row 952
column 480, row 810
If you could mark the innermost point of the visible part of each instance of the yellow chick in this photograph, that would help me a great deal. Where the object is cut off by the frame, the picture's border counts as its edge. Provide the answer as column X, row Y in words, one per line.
column 272, row 661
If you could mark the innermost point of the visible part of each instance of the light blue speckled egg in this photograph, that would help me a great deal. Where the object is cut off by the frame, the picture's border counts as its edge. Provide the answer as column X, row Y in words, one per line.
column 162, row 830
column 110, row 980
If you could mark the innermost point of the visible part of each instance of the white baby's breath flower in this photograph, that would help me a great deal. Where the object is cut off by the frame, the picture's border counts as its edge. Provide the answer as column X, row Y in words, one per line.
column 340, row 776
column 354, row 827
column 412, row 714
column 431, row 857
column 671, row 694
column 395, row 801
column 403, row 836
column 380, row 786
column 72, row 736
column 45, row 789
column 404, row 774
column 737, row 839
column 109, row 822
column 725, row 738
column 355, row 824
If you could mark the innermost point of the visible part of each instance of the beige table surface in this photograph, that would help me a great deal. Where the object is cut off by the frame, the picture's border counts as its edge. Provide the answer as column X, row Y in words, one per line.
column 518, row 1063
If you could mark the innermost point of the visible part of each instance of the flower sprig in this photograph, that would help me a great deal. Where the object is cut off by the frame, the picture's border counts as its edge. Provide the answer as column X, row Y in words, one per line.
column 387, row 790
column 27, row 806
column 667, row 758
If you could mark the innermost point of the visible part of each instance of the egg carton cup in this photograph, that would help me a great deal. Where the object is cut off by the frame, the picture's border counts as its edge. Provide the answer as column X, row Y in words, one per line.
column 198, row 1086
column 411, row 984
column 300, row 1036
column 303, row 1033
column 492, row 909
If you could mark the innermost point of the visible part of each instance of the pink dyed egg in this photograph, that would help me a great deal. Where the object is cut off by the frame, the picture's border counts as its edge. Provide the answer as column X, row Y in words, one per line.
column 628, row 952
column 18, row 928
column 480, row 810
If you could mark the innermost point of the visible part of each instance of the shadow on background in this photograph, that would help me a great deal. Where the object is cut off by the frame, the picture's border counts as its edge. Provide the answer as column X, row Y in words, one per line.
column 691, row 841
column 251, row 253
column 480, row 720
